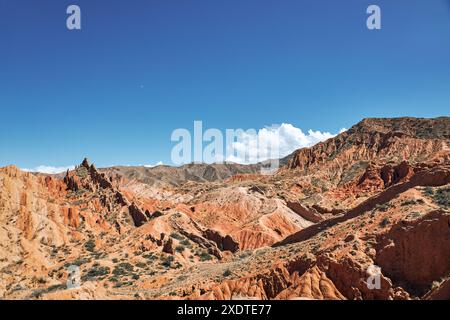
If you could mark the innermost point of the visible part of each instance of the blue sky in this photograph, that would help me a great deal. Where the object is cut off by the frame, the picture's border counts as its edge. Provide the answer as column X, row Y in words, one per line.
column 115, row 90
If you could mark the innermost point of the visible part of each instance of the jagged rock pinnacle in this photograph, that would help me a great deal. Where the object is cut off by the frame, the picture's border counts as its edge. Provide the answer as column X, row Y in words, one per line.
column 85, row 163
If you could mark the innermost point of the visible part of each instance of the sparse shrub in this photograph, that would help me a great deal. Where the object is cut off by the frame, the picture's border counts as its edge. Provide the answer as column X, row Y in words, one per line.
column 179, row 249
column 123, row 268
column 413, row 215
column 90, row 245
column 96, row 271
column 98, row 255
column 182, row 278
column 205, row 256
column 382, row 207
column 135, row 277
column 185, row 242
column 118, row 284
column 245, row 254
column 78, row 262
column 227, row 273
column 442, row 197
column 408, row 203
column 176, row 236
column 261, row 252
column 429, row 191
column 56, row 287
column 82, row 172
column 40, row 280
column 166, row 261
column 384, row 222
column 150, row 256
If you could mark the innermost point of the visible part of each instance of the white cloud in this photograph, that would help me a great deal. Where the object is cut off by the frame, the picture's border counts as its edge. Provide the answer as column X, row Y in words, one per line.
column 276, row 141
column 49, row 169
column 159, row 163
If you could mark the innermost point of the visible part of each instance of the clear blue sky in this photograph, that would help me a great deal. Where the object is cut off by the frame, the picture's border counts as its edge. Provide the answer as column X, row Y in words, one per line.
column 137, row 70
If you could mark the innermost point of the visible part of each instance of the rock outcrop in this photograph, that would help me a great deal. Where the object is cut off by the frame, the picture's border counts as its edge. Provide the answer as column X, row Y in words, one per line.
column 416, row 253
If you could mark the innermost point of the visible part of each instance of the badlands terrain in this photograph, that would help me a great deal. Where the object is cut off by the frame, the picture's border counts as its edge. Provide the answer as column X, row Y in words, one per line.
column 371, row 203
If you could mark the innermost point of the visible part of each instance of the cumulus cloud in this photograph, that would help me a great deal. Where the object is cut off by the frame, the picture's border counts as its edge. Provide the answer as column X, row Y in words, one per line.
column 276, row 141
column 49, row 169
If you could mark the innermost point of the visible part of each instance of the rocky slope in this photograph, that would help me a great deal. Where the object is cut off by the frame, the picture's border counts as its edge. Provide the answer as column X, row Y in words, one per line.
column 364, row 215
column 166, row 176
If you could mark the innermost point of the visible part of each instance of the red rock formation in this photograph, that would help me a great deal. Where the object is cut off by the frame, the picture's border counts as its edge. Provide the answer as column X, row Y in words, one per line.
column 310, row 214
column 139, row 217
column 313, row 284
column 425, row 177
column 168, row 246
column 71, row 217
column 224, row 243
column 416, row 253
column 372, row 198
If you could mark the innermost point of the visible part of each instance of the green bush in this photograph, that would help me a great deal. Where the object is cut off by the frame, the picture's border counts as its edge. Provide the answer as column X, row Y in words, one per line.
column 96, row 271
column 408, row 203
column 227, row 273
column 429, row 191
column 167, row 261
column 176, row 236
column 185, row 242
column 123, row 268
column 384, row 222
column 150, row 256
column 90, row 245
column 78, row 262
column 442, row 197
column 82, row 172
column 205, row 256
